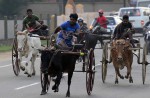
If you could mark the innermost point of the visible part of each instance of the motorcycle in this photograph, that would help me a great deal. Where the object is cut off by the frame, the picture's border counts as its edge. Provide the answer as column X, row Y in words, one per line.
column 99, row 30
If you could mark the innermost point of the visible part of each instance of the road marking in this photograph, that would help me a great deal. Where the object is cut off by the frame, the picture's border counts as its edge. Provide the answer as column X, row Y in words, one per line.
column 27, row 86
column 22, row 87
column 5, row 66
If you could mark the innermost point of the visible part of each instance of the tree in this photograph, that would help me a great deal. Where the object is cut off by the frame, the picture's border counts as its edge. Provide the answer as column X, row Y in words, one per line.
column 11, row 7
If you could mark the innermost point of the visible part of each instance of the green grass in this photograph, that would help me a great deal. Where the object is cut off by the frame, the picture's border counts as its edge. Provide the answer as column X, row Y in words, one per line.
column 44, row 42
column 5, row 48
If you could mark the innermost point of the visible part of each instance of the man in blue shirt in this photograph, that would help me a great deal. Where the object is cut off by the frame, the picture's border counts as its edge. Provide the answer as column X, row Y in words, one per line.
column 66, row 30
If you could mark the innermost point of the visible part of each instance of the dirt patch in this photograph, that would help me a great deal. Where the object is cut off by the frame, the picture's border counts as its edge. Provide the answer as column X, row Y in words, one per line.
column 5, row 56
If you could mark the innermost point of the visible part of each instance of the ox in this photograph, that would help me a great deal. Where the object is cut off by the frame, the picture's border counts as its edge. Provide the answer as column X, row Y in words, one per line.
column 92, row 36
column 28, row 47
column 121, row 56
column 58, row 63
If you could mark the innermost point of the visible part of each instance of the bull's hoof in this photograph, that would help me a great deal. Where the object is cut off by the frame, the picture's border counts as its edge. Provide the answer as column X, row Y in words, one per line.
column 55, row 88
column 130, row 80
column 29, row 75
column 25, row 72
column 116, row 82
column 121, row 77
column 43, row 92
column 22, row 68
column 68, row 94
column 126, row 77
column 33, row 74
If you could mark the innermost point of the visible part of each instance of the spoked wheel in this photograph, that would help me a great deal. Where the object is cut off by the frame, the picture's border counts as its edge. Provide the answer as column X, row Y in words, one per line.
column 144, row 64
column 148, row 47
column 45, row 81
column 52, row 40
column 90, row 72
column 104, row 62
column 15, row 61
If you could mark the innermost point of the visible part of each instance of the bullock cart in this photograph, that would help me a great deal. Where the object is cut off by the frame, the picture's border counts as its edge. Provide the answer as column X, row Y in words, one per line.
column 141, row 58
column 15, row 58
column 88, row 64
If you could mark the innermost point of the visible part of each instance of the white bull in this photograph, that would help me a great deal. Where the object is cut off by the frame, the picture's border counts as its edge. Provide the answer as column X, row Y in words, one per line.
column 28, row 47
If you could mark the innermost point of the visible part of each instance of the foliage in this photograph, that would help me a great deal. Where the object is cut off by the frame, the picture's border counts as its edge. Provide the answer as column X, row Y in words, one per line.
column 11, row 7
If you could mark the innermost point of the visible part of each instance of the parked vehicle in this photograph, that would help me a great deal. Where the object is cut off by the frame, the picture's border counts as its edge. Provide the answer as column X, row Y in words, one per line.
column 113, row 22
column 143, row 3
column 113, row 14
column 138, row 16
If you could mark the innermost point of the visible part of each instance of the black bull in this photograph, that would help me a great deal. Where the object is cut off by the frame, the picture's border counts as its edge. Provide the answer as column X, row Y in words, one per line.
column 57, row 64
column 91, row 37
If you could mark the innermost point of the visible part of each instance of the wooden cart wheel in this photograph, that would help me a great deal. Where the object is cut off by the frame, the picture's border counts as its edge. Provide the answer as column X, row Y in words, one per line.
column 144, row 62
column 52, row 40
column 104, row 62
column 15, row 62
column 90, row 72
column 45, row 81
column 138, row 45
column 148, row 47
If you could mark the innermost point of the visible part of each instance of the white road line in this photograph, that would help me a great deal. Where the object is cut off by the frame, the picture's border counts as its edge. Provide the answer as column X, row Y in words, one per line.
column 22, row 87
column 5, row 66
column 27, row 86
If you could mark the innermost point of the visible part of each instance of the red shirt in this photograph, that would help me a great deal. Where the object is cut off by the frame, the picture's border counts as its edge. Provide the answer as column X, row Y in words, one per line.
column 102, row 21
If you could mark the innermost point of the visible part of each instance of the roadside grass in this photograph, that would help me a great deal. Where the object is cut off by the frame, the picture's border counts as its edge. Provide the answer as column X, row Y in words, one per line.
column 6, row 48
column 44, row 42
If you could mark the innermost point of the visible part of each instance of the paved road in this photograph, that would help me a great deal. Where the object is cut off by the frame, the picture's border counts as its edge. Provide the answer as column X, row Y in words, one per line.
column 25, row 87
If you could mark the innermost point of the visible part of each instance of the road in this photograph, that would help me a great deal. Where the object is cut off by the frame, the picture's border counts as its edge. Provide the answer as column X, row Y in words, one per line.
column 22, row 86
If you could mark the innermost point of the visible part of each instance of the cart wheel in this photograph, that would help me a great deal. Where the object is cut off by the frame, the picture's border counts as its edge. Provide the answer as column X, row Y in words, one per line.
column 52, row 40
column 144, row 62
column 148, row 47
column 90, row 72
column 15, row 61
column 104, row 62
column 138, row 45
column 45, row 81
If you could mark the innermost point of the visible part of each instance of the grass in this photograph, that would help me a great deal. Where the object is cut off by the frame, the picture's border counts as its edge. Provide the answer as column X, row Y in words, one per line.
column 5, row 48
column 44, row 42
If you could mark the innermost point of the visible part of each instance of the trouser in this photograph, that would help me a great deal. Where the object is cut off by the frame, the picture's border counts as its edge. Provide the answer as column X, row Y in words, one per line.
column 62, row 44
column 131, row 40
column 127, row 35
